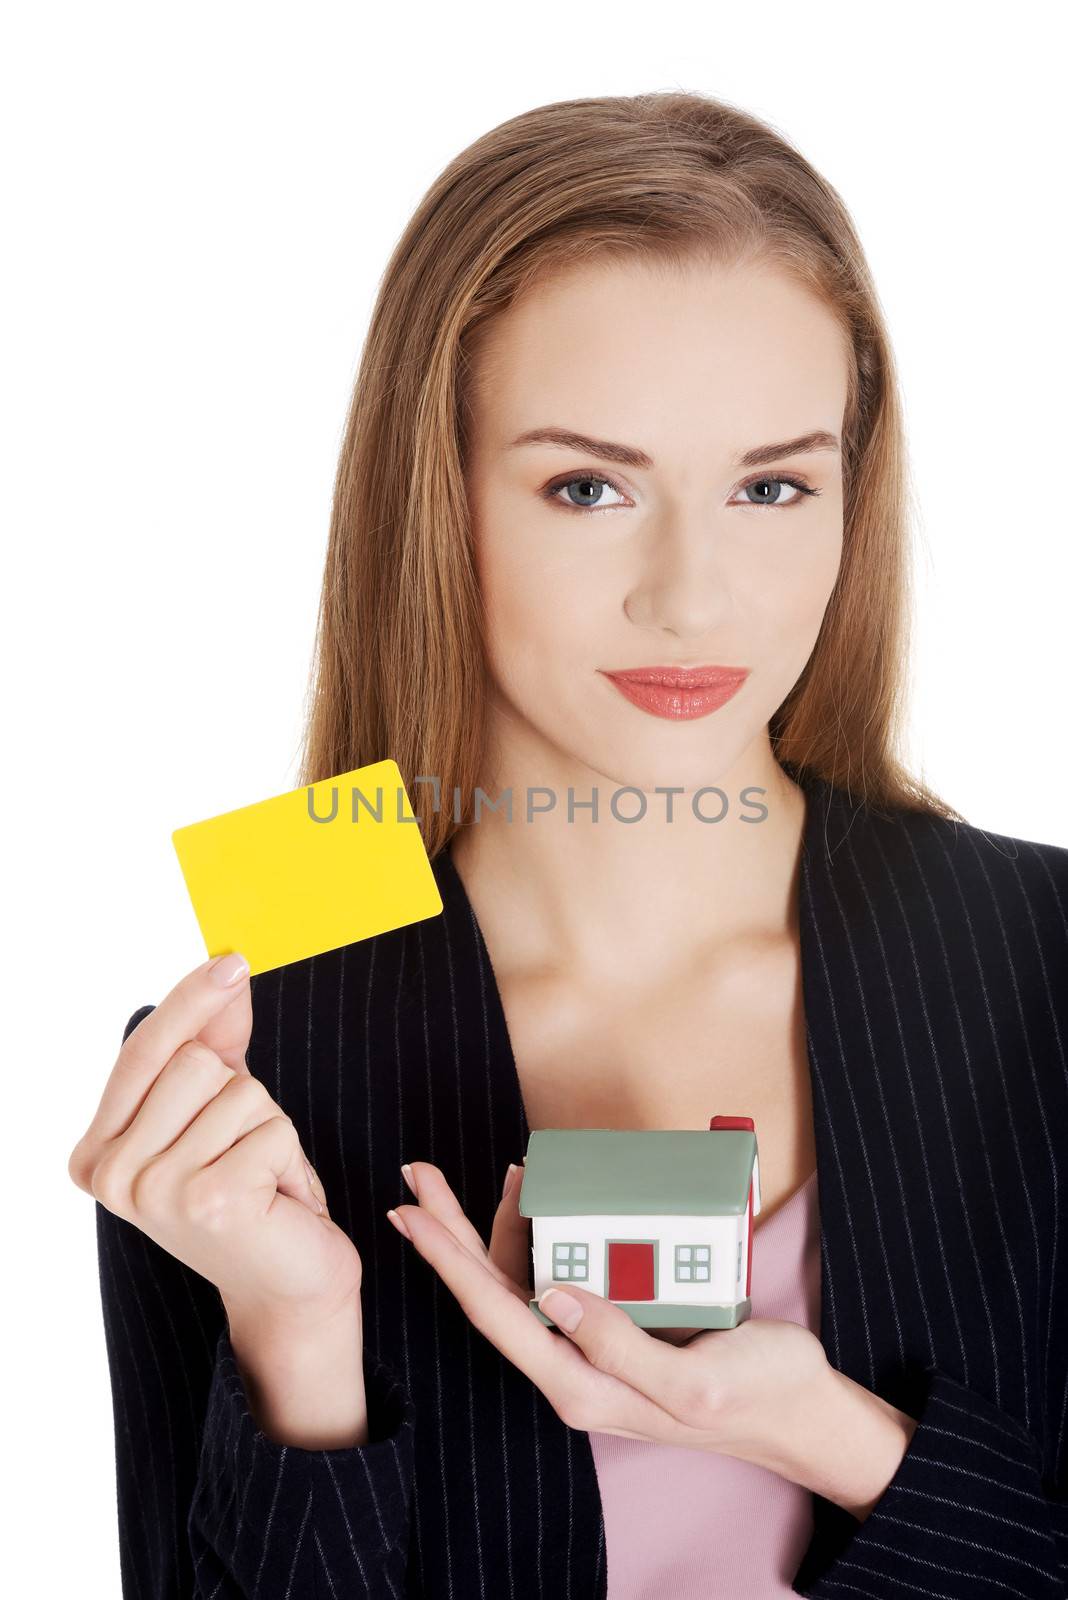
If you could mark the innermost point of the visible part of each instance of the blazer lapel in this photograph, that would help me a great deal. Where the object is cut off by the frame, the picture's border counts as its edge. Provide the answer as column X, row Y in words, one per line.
column 862, row 1023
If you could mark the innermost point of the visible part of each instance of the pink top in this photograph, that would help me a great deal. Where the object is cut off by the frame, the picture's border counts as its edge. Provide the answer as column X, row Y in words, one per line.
column 693, row 1525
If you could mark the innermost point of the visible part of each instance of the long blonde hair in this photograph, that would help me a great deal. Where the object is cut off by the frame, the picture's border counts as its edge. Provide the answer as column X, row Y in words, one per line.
column 399, row 669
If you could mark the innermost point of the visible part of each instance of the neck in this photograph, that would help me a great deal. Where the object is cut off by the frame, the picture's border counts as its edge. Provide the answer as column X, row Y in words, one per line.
column 601, row 898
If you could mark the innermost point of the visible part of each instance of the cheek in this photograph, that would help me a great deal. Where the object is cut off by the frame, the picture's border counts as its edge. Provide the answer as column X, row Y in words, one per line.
column 537, row 622
column 805, row 599
column 535, row 582
column 796, row 584
column 782, row 601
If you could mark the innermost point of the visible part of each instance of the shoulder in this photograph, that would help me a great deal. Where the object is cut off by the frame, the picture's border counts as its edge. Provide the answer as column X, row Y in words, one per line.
column 953, row 892
column 986, row 869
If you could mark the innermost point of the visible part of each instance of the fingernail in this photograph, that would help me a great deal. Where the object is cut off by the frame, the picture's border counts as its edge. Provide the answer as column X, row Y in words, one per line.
column 509, row 1179
column 313, row 1179
column 225, row 970
column 564, row 1310
column 399, row 1223
column 409, row 1180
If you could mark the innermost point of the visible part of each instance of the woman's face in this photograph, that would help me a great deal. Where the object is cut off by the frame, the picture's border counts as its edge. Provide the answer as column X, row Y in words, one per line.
column 654, row 543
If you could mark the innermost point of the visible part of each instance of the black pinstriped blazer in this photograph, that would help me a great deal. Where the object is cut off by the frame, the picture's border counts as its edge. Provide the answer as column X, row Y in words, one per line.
column 935, row 983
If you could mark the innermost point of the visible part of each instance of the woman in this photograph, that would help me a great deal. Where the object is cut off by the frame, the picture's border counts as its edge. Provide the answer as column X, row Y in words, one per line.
column 626, row 403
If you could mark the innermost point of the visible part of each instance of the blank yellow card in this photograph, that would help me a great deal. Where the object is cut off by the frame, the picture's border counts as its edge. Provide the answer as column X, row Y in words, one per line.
column 310, row 870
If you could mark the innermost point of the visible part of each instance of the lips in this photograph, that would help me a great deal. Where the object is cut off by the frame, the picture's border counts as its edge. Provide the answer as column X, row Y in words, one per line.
column 684, row 677
column 678, row 693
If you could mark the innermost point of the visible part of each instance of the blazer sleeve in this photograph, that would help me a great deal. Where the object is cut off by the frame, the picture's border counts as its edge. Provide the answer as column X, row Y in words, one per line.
column 208, row 1505
column 967, row 1516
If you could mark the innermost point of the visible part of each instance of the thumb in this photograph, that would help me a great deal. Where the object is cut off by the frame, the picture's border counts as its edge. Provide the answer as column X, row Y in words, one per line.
column 228, row 1031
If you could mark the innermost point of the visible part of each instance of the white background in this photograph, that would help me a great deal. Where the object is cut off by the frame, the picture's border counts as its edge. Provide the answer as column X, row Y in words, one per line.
column 198, row 201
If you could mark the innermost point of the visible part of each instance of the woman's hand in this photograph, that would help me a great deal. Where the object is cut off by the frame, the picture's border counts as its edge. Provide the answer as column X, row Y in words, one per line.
column 763, row 1391
column 189, row 1147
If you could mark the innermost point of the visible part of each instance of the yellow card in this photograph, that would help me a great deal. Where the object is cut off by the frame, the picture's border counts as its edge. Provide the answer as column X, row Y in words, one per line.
column 310, row 870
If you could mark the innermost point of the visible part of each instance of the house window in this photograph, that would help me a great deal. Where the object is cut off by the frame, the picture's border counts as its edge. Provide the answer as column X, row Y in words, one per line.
column 571, row 1260
column 693, row 1263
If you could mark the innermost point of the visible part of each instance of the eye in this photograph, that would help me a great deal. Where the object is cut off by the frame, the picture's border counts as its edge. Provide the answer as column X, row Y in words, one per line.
column 589, row 487
column 585, row 491
column 771, row 491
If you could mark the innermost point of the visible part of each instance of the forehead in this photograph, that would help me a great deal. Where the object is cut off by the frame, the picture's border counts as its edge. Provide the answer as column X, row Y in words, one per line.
column 643, row 351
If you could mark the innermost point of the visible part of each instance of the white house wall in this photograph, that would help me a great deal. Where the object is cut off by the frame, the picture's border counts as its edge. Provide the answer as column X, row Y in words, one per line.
column 724, row 1234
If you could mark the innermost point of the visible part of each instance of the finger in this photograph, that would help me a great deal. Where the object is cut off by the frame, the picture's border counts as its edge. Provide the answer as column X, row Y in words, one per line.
column 242, row 1105
column 490, row 1303
column 180, row 1016
column 190, row 1080
column 578, row 1392
column 228, row 1031
column 675, row 1378
column 509, row 1246
column 195, row 1111
column 436, row 1198
column 265, row 1163
column 625, row 1433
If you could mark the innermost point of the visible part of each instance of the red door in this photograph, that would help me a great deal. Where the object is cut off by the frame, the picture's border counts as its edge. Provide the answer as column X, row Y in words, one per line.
column 630, row 1270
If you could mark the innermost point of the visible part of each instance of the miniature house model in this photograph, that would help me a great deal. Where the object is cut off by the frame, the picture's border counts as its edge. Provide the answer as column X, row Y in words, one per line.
column 659, row 1221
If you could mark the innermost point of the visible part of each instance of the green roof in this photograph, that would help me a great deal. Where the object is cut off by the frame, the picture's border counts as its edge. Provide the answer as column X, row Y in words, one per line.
column 659, row 1171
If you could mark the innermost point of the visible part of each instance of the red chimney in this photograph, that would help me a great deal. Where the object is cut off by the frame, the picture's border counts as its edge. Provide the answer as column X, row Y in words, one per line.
column 732, row 1122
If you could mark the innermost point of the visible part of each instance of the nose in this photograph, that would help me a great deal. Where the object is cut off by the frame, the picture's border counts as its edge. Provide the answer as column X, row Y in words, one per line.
column 682, row 587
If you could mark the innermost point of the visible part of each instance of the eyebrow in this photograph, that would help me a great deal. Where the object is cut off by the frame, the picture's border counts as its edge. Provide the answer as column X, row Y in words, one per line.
column 626, row 455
